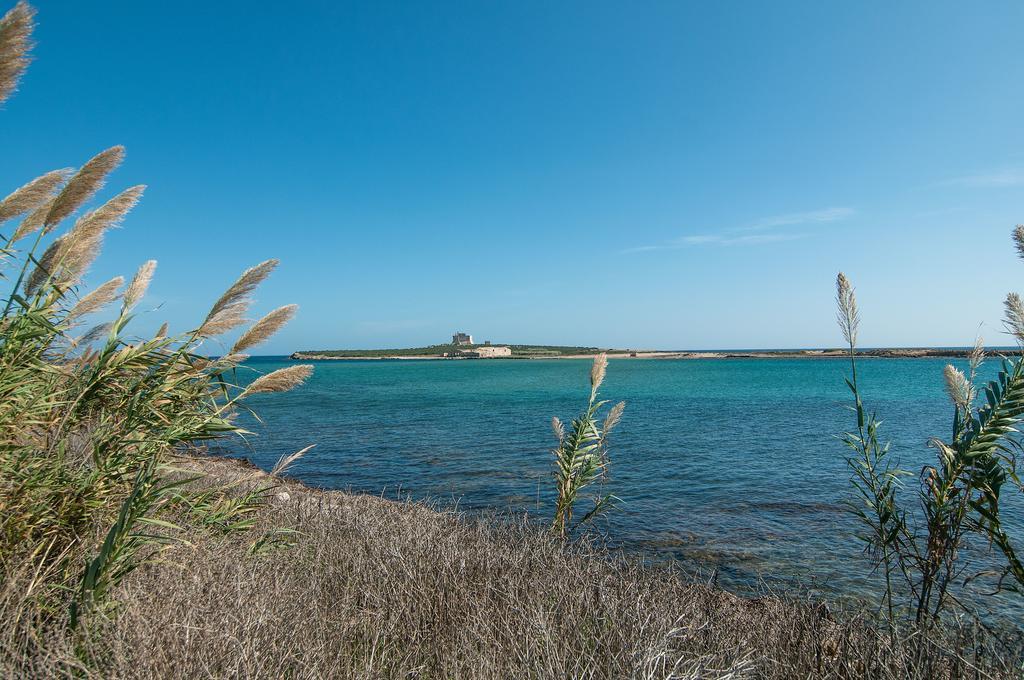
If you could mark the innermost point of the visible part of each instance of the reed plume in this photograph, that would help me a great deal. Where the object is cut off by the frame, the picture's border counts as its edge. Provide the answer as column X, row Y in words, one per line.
column 613, row 417
column 847, row 315
column 281, row 380
column 65, row 260
column 558, row 428
column 244, row 286
column 597, row 371
column 975, row 358
column 227, row 319
column 97, row 299
column 78, row 256
column 108, row 215
column 977, row 354
column 31, row 196
column 46, row 264
column 265, row 327
column 94, row 333
column 15, row 43
column 83, row 243
column 957, row 387
column 286, row 462
column 1018, row 239
column 233, row 359
column 79, row 189
column 162, row 331
column 228, row 312
column 1015, row 316
column 140, row 283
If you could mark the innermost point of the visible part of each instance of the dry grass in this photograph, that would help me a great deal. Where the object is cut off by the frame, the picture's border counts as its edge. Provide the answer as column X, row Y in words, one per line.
column 376, row 589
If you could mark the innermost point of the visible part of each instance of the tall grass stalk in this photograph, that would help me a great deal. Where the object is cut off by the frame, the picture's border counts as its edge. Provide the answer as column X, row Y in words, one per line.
column 875, row 476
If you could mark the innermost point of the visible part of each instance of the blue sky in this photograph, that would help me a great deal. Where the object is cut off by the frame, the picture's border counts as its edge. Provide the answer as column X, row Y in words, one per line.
column 663, row 175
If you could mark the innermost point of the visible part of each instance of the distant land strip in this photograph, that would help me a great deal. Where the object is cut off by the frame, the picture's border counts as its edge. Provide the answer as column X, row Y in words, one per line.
column 568, row 352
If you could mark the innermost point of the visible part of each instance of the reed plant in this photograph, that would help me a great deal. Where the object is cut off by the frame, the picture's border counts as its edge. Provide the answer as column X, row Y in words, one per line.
column 91, row 417
column 581, row 458
column 923, row 550
column 875, row 475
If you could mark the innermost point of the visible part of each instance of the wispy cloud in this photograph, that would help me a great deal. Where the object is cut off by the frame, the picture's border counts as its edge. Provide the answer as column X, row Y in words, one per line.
column 740, row 236
column 754, row 239
column 642, row 249
column 726, row 240
column 696, row 240
column 792, row 219
column 1007, row 177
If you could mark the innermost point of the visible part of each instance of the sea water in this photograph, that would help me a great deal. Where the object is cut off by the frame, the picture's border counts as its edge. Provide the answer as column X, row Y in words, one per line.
column 732, row 468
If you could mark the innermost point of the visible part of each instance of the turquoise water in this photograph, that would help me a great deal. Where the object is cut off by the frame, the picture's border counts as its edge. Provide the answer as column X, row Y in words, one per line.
column 729, row 466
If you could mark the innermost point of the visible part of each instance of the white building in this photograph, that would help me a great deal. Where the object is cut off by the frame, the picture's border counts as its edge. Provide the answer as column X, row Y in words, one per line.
column 486, row 352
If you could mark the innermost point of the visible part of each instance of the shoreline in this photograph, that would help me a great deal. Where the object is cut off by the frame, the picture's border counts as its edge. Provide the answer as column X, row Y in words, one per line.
column 880, row 353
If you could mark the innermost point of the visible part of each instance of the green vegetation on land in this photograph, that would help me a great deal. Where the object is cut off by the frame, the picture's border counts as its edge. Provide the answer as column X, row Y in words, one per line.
column 518, row 351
